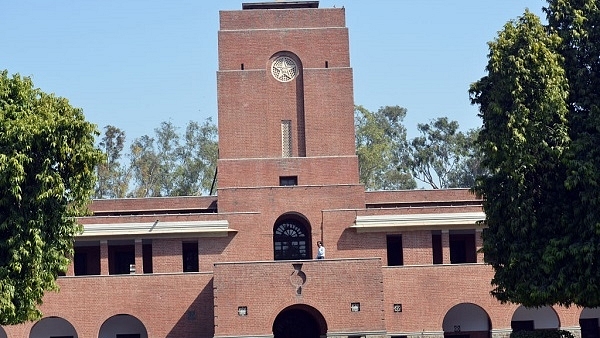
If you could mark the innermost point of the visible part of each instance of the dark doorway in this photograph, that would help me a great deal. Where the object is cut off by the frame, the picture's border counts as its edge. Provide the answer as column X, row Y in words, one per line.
column 296, row 323
column 589, row 328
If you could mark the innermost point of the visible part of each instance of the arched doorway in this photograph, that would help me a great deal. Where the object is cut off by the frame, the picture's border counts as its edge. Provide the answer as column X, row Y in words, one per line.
column 2, row 333
column 466, row 321
column 52, row 327
column 529, row 319
column 123, row 326
column 589, row 323
column 291, row 238
column 299, row 321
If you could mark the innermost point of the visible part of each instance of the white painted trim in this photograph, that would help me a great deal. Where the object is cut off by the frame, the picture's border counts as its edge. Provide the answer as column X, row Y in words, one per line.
column 417, row 221
column 214, row 228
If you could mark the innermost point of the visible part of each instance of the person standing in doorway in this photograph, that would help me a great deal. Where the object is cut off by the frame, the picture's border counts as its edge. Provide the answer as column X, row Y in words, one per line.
column 320, row 250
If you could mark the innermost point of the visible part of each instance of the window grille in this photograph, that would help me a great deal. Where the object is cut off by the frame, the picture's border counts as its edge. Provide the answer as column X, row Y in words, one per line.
column 286, row 138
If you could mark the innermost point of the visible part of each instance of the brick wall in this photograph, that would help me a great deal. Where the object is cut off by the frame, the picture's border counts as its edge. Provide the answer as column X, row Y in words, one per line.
column 169, row 305
column 267, row 288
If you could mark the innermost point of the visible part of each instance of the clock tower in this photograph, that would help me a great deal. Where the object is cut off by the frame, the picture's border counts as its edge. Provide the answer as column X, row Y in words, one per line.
column 285, row 98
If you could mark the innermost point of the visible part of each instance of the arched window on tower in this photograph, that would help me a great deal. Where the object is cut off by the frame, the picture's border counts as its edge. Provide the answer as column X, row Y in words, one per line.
column 291, row 240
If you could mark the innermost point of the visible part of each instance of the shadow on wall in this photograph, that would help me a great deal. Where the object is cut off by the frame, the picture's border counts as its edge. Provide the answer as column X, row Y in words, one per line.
column 198, row 319
column 350, row 240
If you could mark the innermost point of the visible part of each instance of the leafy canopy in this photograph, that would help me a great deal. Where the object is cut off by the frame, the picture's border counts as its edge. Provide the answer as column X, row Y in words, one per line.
column 540, row 109
column 47, row 161
column 382, row 148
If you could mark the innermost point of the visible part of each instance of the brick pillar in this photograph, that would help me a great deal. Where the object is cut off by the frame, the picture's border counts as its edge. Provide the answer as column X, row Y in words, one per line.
column 139, row 260
column 104, row 258
column 446, row 246
column 479, row 244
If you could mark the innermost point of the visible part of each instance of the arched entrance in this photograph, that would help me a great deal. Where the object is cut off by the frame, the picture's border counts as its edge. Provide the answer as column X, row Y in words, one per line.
column 123, row 326
column 2, row 333
column 52, row 327
column 299, row 321
column 589, row 323
column 466, row 321
column 529, row 319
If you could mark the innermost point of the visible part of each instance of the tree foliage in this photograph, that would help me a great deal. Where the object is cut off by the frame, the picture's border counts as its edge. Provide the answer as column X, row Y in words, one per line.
column 539, row 139
column 165, row 166
column 47, row 161
column 113, row 177
column 381, row 147
column 442, row 156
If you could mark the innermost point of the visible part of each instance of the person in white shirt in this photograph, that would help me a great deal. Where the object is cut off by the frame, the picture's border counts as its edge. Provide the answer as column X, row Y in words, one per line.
column 320, row 250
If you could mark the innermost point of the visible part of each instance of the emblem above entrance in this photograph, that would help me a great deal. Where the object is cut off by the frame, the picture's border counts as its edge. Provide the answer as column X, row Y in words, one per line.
column 284, row 69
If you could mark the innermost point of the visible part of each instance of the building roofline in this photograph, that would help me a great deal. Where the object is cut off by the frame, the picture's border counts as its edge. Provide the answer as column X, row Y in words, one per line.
column 280, row 5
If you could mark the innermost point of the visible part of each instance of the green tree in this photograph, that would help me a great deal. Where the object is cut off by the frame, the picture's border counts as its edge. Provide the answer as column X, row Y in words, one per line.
column 197, row 158
column 578, row 25
column 381, row 148
column 443, row 156
column 163, row 166
column 47, row 161
column 530, row 241
column 113, row 177
column 469, row 167
column 145, row 168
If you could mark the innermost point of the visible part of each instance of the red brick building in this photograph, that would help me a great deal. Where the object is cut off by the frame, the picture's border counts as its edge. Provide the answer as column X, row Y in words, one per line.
column 397, row 264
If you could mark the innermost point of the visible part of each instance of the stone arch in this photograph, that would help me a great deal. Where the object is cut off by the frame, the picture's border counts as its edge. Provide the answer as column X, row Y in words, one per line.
column 292, row 237
column 534, row 319
column 52, row 327
column 467, row 320
column 299, row 321
column 123, row 325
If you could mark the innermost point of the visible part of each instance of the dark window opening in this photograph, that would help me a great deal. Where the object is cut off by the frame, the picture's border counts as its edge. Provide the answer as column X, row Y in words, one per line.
column 436, row 244
column 462, row 248
column 326, row 64
column 394, row 250
column 86, row 260
column 147, row 257
column 522, row 325
column 120, row 258
column 288, row 180
column 290, row 241
column 190, row 257
column 242, row 66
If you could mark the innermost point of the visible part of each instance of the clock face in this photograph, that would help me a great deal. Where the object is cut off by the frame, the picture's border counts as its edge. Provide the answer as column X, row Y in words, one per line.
column 284, row 69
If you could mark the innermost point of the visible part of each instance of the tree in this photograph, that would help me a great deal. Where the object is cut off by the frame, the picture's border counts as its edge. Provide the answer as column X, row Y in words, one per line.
column 146, row 168
column 162, row 166
column 47, row 161
column 381, row 148
column 113, row 178
column 469, row 168
column 539, row 257
column 443, row 156
column 198, row 159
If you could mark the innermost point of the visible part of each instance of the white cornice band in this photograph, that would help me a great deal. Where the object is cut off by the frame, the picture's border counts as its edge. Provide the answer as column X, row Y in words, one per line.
column 417, row 221
column 157, row 228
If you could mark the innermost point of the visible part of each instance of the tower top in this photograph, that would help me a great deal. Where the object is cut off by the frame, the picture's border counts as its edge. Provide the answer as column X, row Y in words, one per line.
column 280, row 5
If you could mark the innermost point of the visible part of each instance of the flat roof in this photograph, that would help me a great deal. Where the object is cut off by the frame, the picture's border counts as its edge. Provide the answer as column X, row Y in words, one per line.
column 280, row 5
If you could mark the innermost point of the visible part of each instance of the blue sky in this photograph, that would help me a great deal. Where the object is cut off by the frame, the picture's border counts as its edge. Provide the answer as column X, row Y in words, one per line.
column 134, row 64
